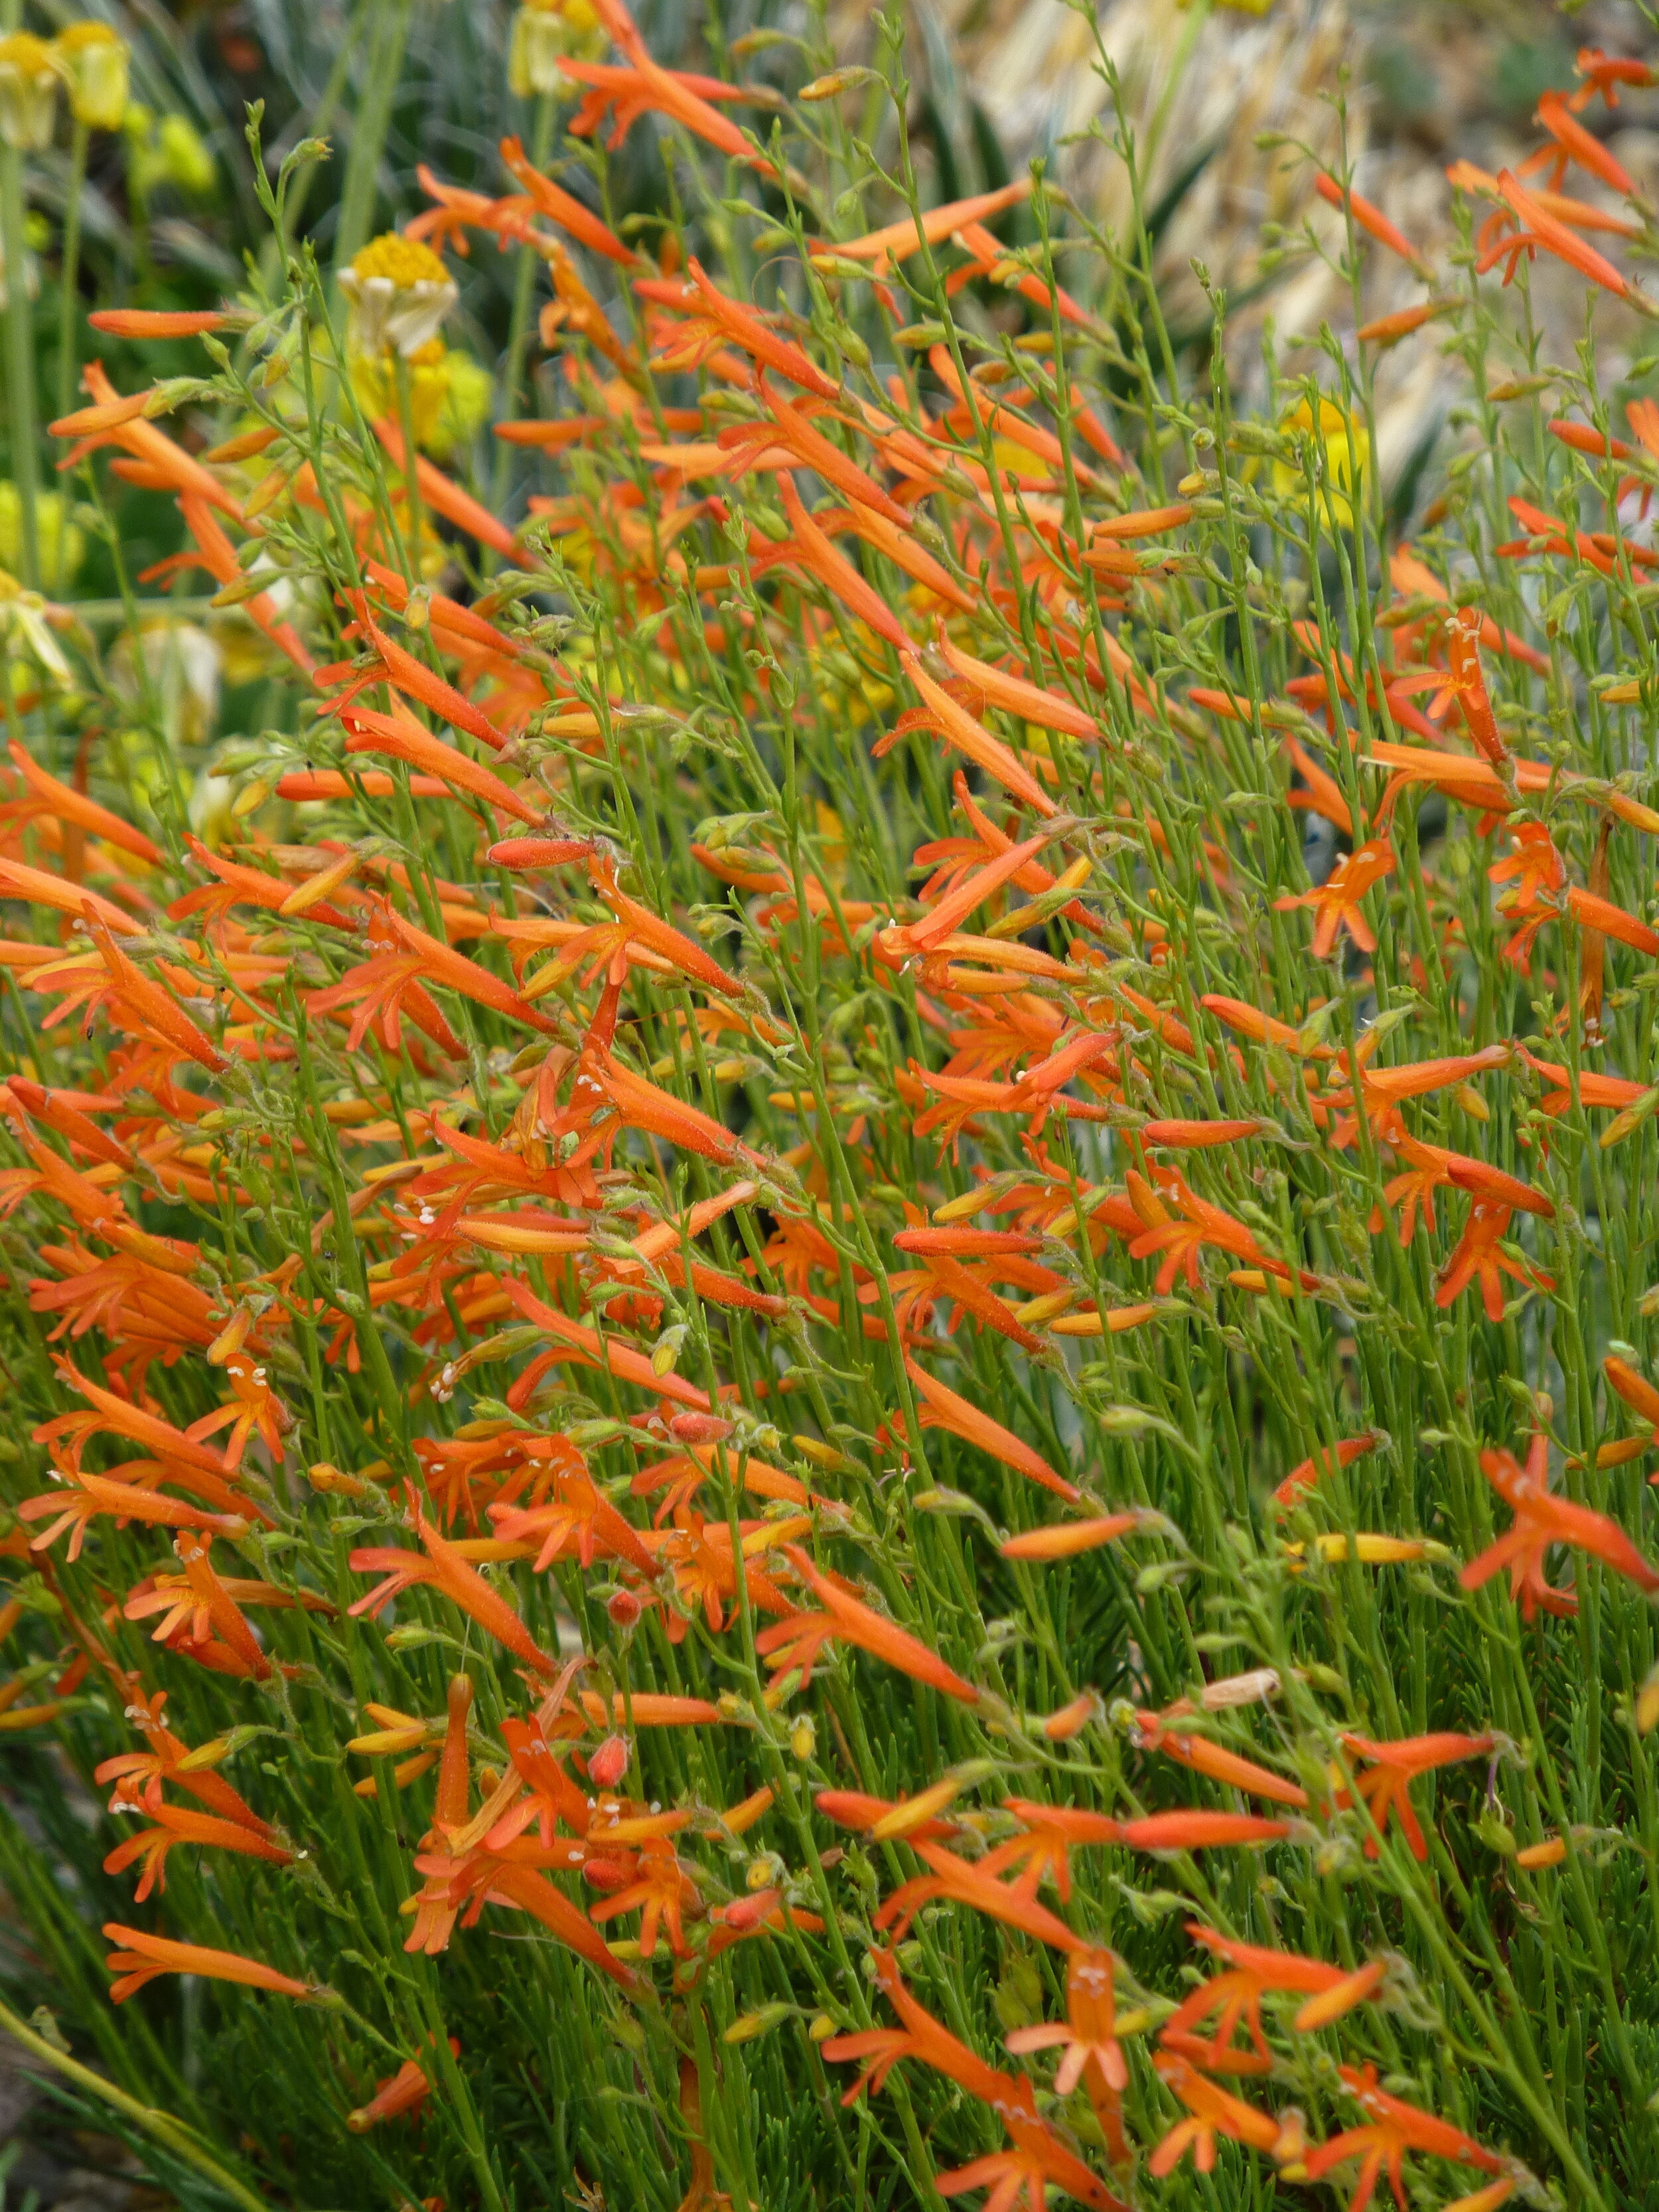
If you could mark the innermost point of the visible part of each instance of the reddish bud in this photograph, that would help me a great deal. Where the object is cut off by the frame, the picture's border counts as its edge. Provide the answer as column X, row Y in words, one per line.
column 624, row 1608
column 699, row 1429
column 608, row 1764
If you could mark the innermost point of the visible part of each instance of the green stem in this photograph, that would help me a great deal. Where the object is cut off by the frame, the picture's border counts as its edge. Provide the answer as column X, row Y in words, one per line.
column 172, row 2134
column 411, row 475
column 20, row 369
column 69, row 301
column 524, row 285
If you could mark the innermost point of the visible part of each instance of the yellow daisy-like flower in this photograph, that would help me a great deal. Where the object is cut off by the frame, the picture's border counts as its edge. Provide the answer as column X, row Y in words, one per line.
column 400, row 292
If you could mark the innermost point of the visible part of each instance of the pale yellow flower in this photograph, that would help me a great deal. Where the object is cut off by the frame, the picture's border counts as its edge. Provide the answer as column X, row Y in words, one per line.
column 26, row 634
column 94, row 60
column 449, row 394
column 542, row 31
column 1348, row 454
column 28, row 92
column 52, row 519
column 183, row 665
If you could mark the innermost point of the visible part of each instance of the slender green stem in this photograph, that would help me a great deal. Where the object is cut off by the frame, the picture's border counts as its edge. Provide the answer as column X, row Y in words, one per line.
column 20, row 369
column 524, row 286
column 68, row 308
column 173, row 2136
column 411, row 462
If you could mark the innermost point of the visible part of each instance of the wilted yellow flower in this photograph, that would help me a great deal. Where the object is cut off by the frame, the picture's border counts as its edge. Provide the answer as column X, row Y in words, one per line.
column 93, row 61
column 1348, row 453
column 59, row 539
column 400, row 293
column 25, row 633
column 184, row 669
column 28, row 92
column 542, row 30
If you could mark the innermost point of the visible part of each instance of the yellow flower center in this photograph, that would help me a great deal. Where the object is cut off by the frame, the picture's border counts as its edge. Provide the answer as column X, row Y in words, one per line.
column 28, row 55
column 404, row 260
column 78, row 37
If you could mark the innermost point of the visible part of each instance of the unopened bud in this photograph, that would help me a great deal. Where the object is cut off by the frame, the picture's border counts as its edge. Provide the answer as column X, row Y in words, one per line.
column 623, row 1608
column 608, row 1764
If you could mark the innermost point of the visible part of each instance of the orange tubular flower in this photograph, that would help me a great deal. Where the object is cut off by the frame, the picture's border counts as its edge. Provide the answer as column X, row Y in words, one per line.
column 1540, row 229
column 1605, row 73
column 661, row 1891
column 1182, row 1237
column 1468, row 686
column 1369, row 218
column 1198, row 1832
column 1037, row 2157
column 1432, row 1166
column 659, row 936
column 447, row 1566
column 155, row 323
column 942, row 1408
column 1065, row 1539
column 84, row 1497
column 847, row 1620
column 177, row 1824
column 113, row 420
column 1322, row 1462
column 402, row 738
column 959, row 728
column 50, row 797
column 1638, row 1393
column 446, row 497
column 403, row 2091
column 1237, row 1995
column 789, row 426
column 1336, row 901
column 1389, row 330
column 144, row 1957
column 1541, row 1520
column 1206, row 1756
column 1396, row 1765
column 643, row 86
column 1381, row 2142
column 852, row 1808
column 1089, row 2032
column 138, row 1775
column 1412, row 577
column 1041, row 1852
column 1214, row 2112
column 815, row 553
column 1014, row 695
column 1479, row 1255
column 199, row 1607
column 1011, row 1903
column 975, row 885
column 560, row 207
column 1574, row 143
column 898, row 241
column 1596, row 914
